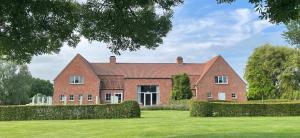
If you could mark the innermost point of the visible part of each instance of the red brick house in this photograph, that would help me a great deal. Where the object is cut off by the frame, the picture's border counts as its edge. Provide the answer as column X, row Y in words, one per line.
column 82, row 82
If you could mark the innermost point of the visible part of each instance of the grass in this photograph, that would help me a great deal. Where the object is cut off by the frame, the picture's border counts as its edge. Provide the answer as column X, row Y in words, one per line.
column 156, row 124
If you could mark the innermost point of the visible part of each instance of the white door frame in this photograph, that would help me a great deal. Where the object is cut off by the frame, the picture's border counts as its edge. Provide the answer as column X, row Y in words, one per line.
column 220, row 96
column 147, row 93
column 121, row 96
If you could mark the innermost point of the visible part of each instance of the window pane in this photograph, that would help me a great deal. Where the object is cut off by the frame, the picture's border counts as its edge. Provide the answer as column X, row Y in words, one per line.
column 154, row 98
column 216, row 79
column 153, row 88
column 225, row 79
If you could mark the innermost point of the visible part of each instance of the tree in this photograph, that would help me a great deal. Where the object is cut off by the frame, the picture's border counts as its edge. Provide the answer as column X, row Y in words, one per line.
column 181, row 87
column 15, row 84
column 35, row 27
column 293, row 33
column 290, row 78
column 277, row 11
column 271, row 72
column 39, row 86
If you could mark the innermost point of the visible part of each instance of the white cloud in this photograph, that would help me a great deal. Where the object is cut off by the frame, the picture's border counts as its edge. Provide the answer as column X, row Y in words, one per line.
column 195, row 38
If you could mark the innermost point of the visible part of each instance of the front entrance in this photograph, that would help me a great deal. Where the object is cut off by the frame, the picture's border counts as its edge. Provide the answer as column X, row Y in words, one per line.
column 148, row 99
column 148, row 95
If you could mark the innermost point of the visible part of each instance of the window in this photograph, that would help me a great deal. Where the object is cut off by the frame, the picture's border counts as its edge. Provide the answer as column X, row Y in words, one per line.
column 71, row 98
column 233, row 96
column 90, row 97
column 75, row 79
column 148, row 95
column 62, row 97
column 107, row 96
column 221, row 80
column 209, row 95
column 80, row 97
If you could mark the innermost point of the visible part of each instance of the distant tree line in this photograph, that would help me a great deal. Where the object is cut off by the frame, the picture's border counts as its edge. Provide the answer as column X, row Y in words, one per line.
column 273, row 72
column 17, row 85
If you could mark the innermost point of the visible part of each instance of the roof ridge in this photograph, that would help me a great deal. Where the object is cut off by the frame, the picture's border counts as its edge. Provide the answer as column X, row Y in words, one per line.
column 208, row 65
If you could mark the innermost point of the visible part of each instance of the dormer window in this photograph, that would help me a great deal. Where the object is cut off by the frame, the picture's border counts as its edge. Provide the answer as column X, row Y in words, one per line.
column 76, row 79
column 221, row 80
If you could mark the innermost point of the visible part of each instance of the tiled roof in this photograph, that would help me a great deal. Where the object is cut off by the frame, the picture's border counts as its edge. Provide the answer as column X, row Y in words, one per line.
column 147, row 70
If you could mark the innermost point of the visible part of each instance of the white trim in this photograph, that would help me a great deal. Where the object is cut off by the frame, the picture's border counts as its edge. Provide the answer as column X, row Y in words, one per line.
column 70, row 97
column 222, row 78
column 91, row 97
column 220, row 96
column 121, row 96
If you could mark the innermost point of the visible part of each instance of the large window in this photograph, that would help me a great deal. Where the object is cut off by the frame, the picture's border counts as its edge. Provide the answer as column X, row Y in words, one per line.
column 148, row 95
column 76, row 79
column 221, row 80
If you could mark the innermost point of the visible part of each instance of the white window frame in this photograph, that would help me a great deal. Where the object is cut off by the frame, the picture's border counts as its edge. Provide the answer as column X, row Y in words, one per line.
column 73, row 78
column 61, row 97
column 80, row 95
column 235, row 95
column 107, row 97
column 90, row 96
column 209, row 95
column 121, row 96
column 221, row 79
column 72, row 97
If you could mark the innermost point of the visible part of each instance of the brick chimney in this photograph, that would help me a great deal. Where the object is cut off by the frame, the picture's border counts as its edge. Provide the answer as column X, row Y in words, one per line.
column 112, row 60
column 179, row 60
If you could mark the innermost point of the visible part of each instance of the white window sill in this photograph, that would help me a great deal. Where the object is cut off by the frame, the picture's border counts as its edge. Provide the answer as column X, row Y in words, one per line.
column 90, row 100
column 221, row 83
column 71, row 100
column 76, row 83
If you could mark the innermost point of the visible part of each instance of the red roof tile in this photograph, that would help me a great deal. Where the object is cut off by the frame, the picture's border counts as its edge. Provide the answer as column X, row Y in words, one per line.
column 147, row 70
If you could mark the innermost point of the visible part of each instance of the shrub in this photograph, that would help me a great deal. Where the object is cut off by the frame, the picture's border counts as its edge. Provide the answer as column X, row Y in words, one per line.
column 181, row 88
column 182, row 105
column 127, row 109
column 208, row 109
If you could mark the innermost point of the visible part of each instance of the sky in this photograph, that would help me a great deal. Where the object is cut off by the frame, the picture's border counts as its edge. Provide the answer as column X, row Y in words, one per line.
column 201, row 30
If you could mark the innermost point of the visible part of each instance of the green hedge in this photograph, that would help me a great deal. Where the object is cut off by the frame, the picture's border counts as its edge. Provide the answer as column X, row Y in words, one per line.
column 127, row 109
column 209, row 109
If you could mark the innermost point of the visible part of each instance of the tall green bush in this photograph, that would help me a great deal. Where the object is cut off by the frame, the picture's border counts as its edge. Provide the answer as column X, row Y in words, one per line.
column 181, row 87
column 127, row 109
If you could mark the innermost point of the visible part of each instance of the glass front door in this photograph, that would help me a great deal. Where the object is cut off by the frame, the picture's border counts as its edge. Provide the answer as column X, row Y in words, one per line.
column 148, row 99
column 148, row 95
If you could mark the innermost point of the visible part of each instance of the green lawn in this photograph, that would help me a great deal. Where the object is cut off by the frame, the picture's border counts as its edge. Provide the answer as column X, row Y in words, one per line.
column 156, row 124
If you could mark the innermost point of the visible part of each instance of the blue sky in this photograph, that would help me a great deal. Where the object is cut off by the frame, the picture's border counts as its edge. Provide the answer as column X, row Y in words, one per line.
column 201, row 30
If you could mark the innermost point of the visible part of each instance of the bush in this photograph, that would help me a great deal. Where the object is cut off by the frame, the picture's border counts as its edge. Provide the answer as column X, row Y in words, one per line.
column 182, row 105
column 209, row 109
column 127, row 109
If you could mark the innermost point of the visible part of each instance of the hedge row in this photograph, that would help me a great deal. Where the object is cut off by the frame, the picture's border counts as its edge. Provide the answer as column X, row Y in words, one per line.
column 209, row 109
column 127, row 109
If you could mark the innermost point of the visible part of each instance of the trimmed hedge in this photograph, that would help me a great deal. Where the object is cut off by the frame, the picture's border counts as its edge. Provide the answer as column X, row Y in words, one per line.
column 127, row 109
column 182, row 105
column 210, row 109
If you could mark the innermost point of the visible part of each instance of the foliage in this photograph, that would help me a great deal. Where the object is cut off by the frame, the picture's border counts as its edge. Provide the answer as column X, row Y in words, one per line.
column 181, row 88
column 293, row 33
column 39, row 86
column 30, row 27
column 272, row 72
column 277, row 11
column 208, row 109
column 127, row 109
column 17, row 85
column 14, row 83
